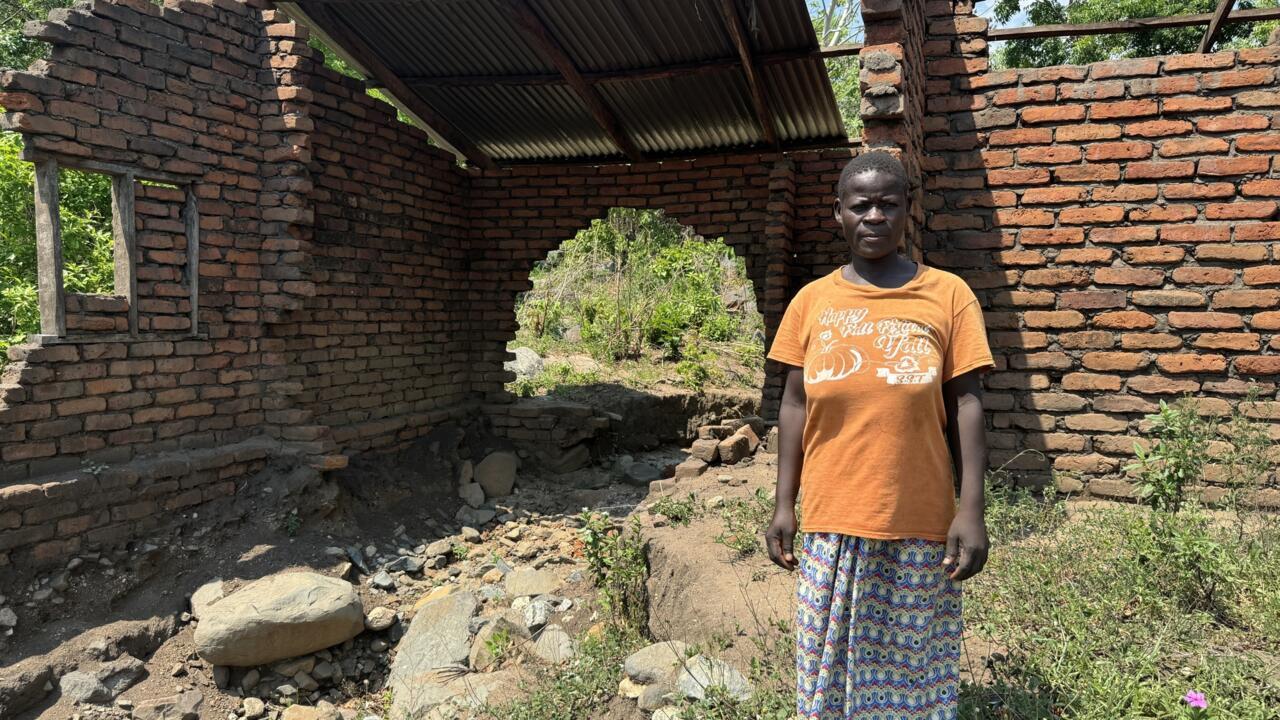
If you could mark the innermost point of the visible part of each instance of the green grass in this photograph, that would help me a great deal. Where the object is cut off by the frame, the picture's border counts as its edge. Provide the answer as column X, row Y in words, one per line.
column 745, row 520
column 678, row 511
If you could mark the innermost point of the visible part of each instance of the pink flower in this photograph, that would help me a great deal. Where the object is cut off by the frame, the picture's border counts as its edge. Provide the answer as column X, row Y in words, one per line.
column 1195, row 700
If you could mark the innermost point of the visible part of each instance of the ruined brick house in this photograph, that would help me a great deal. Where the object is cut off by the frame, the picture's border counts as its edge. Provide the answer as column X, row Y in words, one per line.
column 300, row 275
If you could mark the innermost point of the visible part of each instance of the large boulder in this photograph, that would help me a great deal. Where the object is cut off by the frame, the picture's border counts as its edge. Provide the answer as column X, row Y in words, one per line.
column 701, row 673
column 656, row 663
column 526, row 365
column 497, row 473
column 433, row 651
column 278, row 617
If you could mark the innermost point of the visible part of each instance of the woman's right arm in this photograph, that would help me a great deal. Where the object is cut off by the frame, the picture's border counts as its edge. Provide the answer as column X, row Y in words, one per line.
column 782, row 531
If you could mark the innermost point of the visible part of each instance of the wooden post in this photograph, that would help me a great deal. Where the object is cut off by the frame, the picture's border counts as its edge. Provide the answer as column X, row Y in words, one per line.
column 53, row 306
column 1212, row 32
column 123, row 229
column 755, row 83
column 191, row 215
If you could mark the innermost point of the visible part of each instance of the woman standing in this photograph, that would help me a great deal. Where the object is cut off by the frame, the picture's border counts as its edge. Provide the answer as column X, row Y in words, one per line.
column 880, row 414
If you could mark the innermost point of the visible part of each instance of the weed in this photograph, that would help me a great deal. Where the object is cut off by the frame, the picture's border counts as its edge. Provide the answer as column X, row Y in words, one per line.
column 1177, row 457
column 679, row 512
column 292, row 523
column 745, row 521
column 460, row 552
column 498, row 645
column 619, row 568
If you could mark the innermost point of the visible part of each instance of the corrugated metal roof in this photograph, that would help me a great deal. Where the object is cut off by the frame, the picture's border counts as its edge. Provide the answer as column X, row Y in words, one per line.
column 548, row 119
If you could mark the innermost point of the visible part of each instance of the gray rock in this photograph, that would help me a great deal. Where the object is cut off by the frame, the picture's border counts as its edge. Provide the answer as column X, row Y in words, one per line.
column 700, row 673
column 690, row 468
column 435, row 649
column 383, row 581
column 183, row 706
column 655, row 696
column 466, row 472
column 305, row 682
column 205, row 596
column 324, row 671
column 641, row 474
column 404, row 564
column 560, row 461
column 8, row 618
column 526, row 365
column 497, row 473
column 476, row 517
column 535, row 615
column 666, row 713
column 531, row 582
column 321, row 711
column 221, row 676
column 490, row 638
column 553, row 646
column 470, row 534
column 656, row 663
column 121, row 674
column 277, row 617
column 253, row 708
column 379, row 619
column 472, row 494
column 82, row 687
column 439, row 547
column 250, row 680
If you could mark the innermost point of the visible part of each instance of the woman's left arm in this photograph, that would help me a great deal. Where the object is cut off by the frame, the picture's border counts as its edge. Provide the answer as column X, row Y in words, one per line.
column 967, row 437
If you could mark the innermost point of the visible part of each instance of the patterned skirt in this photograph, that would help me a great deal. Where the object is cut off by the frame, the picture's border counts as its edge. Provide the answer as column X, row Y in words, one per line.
column 878, row 630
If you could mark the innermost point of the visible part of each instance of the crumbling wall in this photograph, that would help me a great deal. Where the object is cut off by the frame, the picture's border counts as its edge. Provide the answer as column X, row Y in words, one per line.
column 1119, row 224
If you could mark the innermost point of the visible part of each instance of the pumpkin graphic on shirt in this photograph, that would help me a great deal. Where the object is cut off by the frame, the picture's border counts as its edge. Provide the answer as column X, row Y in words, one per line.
column 832, row 361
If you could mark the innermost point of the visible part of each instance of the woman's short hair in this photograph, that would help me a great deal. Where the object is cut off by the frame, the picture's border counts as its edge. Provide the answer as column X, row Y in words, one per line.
column 877, row 160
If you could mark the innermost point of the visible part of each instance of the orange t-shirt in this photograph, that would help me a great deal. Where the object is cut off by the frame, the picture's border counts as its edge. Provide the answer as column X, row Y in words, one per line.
column 876, row 461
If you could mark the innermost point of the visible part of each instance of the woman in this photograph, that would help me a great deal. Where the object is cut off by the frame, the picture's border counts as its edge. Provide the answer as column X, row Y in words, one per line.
column 880, row 413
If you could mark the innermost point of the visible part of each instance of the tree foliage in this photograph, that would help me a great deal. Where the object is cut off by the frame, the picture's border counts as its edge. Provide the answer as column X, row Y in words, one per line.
column 1043, row 52
column 837, row 22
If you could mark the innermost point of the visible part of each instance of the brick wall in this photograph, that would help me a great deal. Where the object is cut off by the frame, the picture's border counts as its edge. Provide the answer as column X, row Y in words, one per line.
column 1119, row 223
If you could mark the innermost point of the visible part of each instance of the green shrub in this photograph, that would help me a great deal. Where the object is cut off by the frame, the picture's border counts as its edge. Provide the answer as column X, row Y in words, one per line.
column 619, row 567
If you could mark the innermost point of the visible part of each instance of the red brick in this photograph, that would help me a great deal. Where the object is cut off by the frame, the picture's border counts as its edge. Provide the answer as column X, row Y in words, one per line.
column 1090, row 382
column 1053, row 319
column 1156, row 385
column 1020, row 340
column 79, row 406
column 1237, row 78
column 1085, row 256
column 1053, row 402
column 1053, row 155
column 1266, row 142
column 1233, row 253
column 1057, row 236
column 1091, row 299
column 1164, row 213
column 1258, row 98
column 1096, row 422
column 1123, row 109
column 1022, row 136
column 1246, row 165
column 1087, row 340
column 1197, row 233
column 1264, row 275
column 1091, row 215
column 1114, row 361
column 1258, row 365
column 1128, row 276
column 1263, row 188
column 1092, row 90
column 1041, row 361
column 1199, row 62
column 1019, row 96
column 1122, row 235
column 1167, row 298
column 1246, row 298
column 1023, row 298
column 1018, row 258
column 1119, row 151
column 1154, row 255
column 1022, row 218
column 1204, row 276
column 1125, row 193
column 1205, row 320
column 1053, row 113
column 1088, row 173
column 1150, row 341
column 1182, row 191
column 1232, row 123
column 1196, row 104
column 1257, row 232
column 1054, row 195
column 1125, row 320
column 1086, row 133
column 1189, row 363
column 1229, row 341
column 1266, row 320
column 1018, row 176
column 1158, row 128
column 1157, row 169
column 1193, row 146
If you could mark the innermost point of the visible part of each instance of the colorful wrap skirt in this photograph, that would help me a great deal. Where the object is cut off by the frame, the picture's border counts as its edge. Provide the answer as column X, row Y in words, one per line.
column 878, row 630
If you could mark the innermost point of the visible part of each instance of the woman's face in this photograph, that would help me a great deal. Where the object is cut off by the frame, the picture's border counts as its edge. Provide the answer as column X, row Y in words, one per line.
column 872, row 213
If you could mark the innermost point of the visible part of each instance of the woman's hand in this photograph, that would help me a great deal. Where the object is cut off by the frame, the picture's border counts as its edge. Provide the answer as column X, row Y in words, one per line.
column 780, row 537
column 968, row 538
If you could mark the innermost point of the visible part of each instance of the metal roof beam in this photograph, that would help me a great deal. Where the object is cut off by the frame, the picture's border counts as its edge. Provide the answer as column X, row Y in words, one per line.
column 1212, row 32
column 733, row 23
column 540, row 37
column 327, row 23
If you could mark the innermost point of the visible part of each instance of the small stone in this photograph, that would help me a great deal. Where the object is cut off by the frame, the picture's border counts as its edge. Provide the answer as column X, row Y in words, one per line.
column 378, row 645
column 477, row 517
column 253, row 708
column 221, row 676
column 8, row 618
column 178, row 670
column 535, row 615
column 666, row 713
column 379, row 619
column 531, row 582
column 470, row 534
column 74, row 563
column 322, row 711
column 716, row 502
column 183, row 706
column 81, row 687
column 656, row 663
column 286, row 690
column 59, row 582
column 553, row 646
column 305, row 682
column 497, row 473
column 701, row 672
column 656, row 696
column 472, row 494
column 292, row 667
column 383, row 581
column 439, row 547
column 250, row 680
column 492, row 576
column 324, row 671
column 42, row 594
column 629, row 689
